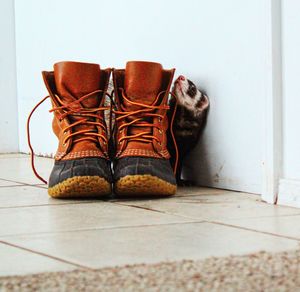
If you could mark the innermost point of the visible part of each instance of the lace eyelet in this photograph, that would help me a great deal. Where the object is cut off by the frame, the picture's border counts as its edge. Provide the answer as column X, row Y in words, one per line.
column 160, row 131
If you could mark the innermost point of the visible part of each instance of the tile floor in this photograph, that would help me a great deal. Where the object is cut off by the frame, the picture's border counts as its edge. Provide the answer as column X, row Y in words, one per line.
column 40, row 234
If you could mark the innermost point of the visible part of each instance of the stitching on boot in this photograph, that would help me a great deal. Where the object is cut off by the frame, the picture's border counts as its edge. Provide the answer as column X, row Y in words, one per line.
column 81, row 154
column 139, row 152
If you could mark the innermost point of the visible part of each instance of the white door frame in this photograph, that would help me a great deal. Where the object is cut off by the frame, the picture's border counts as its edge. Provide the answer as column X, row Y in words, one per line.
column 272, row 128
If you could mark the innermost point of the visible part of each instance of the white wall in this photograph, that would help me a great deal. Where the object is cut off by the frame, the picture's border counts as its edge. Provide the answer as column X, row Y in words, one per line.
column 290, row 183
column 291, row 81
column 8, row 93
column 221, row 45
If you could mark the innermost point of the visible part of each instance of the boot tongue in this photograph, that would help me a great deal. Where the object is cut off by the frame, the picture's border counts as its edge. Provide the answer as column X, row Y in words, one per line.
column 142, row 82
column 74, row 80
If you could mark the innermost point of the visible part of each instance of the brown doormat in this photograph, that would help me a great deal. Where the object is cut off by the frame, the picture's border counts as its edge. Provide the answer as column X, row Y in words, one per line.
column 255, row 272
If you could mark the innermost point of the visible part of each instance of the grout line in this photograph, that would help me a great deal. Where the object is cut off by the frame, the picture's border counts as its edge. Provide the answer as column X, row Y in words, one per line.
column 188, row 195
column 8, row 236
column 18, row 182
column 144, row 208
column 50, row 205
column 45, row 255
column 254, row 230
column 12, row 156
column 159, row 211
column 9, row 180
column 33, row 185
column 11, row 186
column 40, row 186
column 195, row 218
column 153, row 210
column 276, row 216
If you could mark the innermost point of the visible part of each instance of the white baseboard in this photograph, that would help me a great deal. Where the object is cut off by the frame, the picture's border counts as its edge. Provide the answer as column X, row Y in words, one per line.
column 289, row 193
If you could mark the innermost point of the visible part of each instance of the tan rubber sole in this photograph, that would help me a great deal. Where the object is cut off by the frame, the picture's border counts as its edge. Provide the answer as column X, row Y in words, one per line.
column 143, row 185
column 81, row 187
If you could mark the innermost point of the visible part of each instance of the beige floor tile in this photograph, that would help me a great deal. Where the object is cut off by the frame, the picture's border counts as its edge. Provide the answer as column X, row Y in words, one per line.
column 15, row 261
column 196, row 191
column 58, row 218
column 6, row 183
column 214, row 206
column 21, row 196
column 110, row 247
column 19, row 169
column 285, row 225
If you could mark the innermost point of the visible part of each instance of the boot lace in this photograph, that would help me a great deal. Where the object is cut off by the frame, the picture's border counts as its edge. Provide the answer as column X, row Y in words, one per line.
column 69, row 109
column 139, row 119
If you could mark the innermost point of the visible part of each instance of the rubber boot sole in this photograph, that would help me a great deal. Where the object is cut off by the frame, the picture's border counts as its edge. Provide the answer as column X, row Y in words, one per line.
column 143, row 185
column 80, row 187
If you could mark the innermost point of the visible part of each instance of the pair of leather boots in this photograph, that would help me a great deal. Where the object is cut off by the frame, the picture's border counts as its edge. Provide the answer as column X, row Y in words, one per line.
column 92, row 154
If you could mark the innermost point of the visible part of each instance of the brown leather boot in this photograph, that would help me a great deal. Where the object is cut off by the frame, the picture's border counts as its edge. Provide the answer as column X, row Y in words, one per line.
column 82, row 166
column 141, row 164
